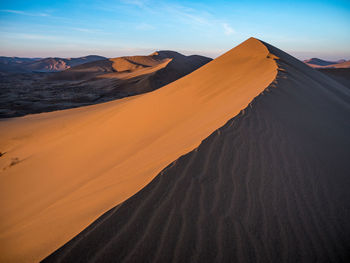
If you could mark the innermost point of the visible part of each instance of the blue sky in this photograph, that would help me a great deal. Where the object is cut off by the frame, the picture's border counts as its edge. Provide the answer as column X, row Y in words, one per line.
column 128, row 27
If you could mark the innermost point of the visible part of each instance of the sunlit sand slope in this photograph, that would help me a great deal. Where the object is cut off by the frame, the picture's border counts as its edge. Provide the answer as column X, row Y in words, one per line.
column 272, row 185
column 62, row 170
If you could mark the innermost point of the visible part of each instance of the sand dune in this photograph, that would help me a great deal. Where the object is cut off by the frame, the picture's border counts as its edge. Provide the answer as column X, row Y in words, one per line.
column 59, row 64
column 316, row 62
column 133, row 66
column 113, row 65
column 52, row 64
column 14, row 64
column 272, row 185
column 338, row 70
column 61, row 170
column 93, row 82
column 319, row 63
column 345, row 64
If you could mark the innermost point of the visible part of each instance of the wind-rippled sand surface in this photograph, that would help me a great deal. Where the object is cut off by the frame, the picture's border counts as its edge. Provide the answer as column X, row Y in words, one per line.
column 271, row 185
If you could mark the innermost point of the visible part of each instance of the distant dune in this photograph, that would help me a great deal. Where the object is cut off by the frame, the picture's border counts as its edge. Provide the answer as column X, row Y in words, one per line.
column 244, row 159
column 345, row 64
column 135, row 66
column 59, row 64
column 338, row 70
column 319, row 63
column 14, row 64
column 20, row 65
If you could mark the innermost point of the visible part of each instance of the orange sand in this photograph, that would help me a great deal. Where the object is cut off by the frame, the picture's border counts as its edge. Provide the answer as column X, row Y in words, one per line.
column 62, row 170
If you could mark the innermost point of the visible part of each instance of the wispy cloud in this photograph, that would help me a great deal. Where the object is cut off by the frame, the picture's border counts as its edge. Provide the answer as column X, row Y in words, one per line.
column 12, row 11
column 20, row 12
column 187, row 14
column 88, row 30
column 27, row 36
column 228, row 30
column 195, row 17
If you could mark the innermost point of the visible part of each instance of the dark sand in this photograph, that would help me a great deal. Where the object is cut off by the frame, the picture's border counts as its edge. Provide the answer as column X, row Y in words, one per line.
column 272, row 185
column 342, row 75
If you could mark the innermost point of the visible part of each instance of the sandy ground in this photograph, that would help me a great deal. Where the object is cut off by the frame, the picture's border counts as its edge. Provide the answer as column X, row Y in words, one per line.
column 62, row 170
column 272, row 185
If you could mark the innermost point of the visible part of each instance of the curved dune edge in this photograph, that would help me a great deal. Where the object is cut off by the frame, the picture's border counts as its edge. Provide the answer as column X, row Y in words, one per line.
column 136, row 71
column 64, row 169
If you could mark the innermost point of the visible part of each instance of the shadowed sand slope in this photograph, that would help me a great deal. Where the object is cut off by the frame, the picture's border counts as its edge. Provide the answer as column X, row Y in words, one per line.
column 342, row 75
column 272, row 185
column 62, row 170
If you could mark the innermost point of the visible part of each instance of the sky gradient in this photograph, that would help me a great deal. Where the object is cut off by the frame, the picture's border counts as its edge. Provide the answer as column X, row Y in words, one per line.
column 128, row 27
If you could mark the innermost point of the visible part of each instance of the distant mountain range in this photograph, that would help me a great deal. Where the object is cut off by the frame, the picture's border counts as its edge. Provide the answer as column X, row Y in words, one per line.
column 52, row 64
column 320, row 63
column 55, row 64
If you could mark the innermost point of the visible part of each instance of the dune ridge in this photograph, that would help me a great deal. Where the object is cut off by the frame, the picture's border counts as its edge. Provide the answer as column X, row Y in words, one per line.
column 271, row 185
column 93, row 158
